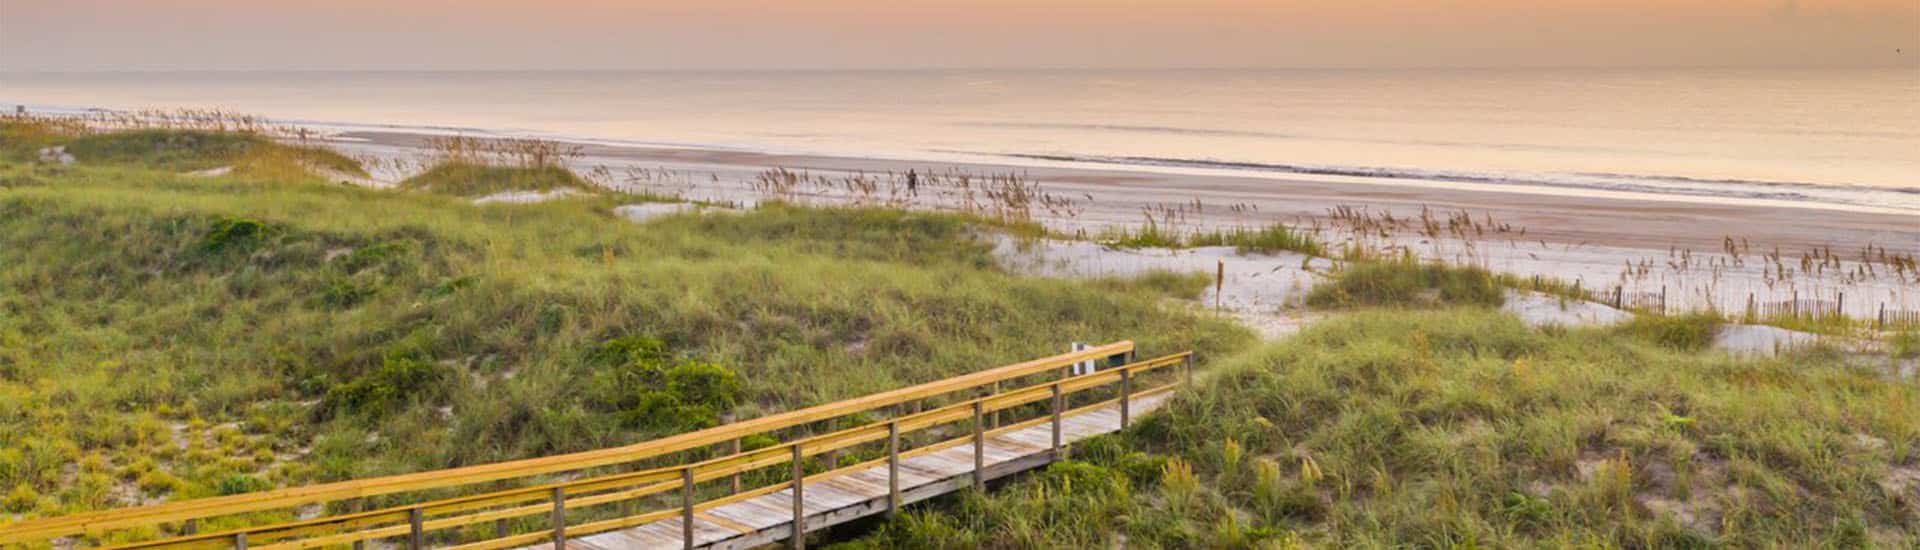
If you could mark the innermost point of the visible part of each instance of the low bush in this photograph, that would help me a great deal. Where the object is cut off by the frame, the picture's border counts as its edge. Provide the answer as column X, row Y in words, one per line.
column 1690, row 332
column 1407, row 281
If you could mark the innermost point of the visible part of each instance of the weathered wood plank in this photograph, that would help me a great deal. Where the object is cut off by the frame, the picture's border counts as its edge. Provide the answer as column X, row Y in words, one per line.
column 863, row 492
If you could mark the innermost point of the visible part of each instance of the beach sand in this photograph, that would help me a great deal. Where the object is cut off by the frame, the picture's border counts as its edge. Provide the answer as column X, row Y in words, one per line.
column 1586, row 236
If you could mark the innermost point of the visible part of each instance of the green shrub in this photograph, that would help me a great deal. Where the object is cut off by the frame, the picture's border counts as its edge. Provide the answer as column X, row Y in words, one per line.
column 176, row 150
column 705, row 384
column 466, row 179
column 1407, row 281
column 237, row 484
column 233, row 233
column 21, row 499
column 400, row 379
column 1266, row 240
column 1690, row 332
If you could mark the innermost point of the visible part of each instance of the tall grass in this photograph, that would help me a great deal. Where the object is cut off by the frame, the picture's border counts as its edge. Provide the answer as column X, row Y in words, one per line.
column 1407, row 281
column 1463, row 428
column 164, row 336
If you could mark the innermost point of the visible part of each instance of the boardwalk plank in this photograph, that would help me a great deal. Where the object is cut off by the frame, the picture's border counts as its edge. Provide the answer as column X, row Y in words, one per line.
column 850, row 494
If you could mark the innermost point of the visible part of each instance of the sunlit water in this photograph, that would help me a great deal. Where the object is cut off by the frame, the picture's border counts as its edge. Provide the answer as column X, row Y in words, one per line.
column 1821, row 137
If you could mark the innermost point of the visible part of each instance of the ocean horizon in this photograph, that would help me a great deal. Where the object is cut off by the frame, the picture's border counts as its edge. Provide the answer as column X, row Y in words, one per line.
column 1843, row 137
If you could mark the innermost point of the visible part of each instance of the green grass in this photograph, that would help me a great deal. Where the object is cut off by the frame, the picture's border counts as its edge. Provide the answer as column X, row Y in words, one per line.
column 1690, row 332
column 1462, row 428
column 1266, row 240
column 1406, row 281
column 467, row 179
column 165, row 336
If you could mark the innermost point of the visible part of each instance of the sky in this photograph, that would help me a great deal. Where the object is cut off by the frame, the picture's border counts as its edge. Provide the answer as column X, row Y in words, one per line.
column 41, row 35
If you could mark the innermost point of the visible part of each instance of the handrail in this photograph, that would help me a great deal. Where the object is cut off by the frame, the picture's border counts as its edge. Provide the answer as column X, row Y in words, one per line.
column 99, row 521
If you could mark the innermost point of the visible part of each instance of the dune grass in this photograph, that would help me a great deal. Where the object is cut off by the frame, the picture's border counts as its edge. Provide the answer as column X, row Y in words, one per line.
column 165, row 336
column 1407, row 281
column 474, row 179
column 1265, row 240
column 1462, row 428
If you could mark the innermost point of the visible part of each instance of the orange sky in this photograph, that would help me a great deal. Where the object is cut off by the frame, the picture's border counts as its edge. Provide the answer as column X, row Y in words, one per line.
column 800, row 34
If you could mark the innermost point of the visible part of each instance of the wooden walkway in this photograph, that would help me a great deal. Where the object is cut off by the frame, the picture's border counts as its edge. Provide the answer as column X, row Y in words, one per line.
column 688, row 490
column 845, row 496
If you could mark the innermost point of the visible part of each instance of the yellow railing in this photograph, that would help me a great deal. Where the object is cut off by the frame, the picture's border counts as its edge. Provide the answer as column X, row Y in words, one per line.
column 416, row 522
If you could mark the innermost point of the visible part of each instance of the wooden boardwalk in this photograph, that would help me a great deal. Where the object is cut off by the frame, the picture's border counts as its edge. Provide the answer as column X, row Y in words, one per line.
column 616, row 497
column 845, row 496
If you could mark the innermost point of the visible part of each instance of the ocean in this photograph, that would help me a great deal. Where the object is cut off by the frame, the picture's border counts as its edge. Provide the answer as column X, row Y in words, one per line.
column 1844, row 138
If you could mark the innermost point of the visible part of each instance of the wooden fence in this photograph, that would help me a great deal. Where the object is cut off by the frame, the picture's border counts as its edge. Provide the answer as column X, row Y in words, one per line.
column 577, row 494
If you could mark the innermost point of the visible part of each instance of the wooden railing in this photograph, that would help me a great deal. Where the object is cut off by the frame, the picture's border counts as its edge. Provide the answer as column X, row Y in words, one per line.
column 601, row 501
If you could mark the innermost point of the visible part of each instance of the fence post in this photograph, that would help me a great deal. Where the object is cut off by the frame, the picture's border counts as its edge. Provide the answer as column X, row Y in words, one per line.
column 893, row 468
column 1796, row 304
column 239, row 541
column 686, row 507
column 559, row 518
column 500, row 528
column 1751, row 314
column 1881, row 322
column 1840, row 305
column 1187, row 364
column 1663, row 299
column 979, row 449
column 1056, row 420
column 996, row 412
column 799, row 539
column 193, row 524
column 1126, row 394
column 416, row 535
column 736, row 475
column 1619, row 296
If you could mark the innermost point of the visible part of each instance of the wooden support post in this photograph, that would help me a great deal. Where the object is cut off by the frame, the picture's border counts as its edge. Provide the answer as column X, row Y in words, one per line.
column 239, row 541
column 893, row 468
column 799, row 539
column 559, row 518
column 686, row 507
column 358, row 506
column 193, row 524
column 1840, row 305
column 736, row 475
column 1057, row 406
column 1126, row 395
column 416, row 532
column 996, row 413
column 1187, row 364
column 500, row 528
column 980, row 448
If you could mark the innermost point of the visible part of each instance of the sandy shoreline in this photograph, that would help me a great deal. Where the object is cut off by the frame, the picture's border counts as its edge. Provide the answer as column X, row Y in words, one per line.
column 1675, row 245
column 1119, row 196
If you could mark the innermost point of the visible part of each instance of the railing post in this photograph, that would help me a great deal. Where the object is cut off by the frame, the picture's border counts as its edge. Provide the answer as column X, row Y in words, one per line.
column 736, row 475
column 686, row 506
column 500, row 528
column 239, row 541
column 996, row 413
column 1126, row 395
column 193, row 524
column 893, row 468
column 359, row 505
column 559, row 518
column 799, row 539
column 1187, row 364
column 416, row 534
column 979, row 449
column 1057, row 405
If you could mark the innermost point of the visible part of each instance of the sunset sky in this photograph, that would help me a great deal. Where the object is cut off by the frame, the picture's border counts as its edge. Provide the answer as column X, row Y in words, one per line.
column 815, row 34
